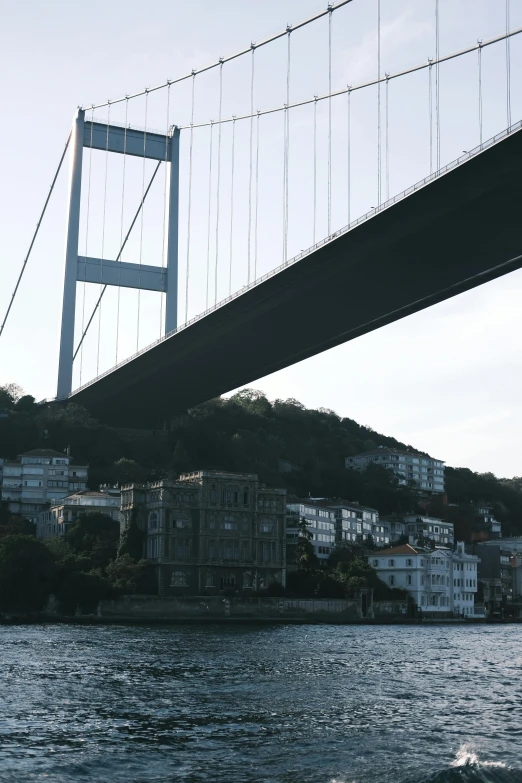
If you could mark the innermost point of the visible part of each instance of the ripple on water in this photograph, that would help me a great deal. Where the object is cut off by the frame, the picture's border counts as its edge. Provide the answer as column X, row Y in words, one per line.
column 260, row 705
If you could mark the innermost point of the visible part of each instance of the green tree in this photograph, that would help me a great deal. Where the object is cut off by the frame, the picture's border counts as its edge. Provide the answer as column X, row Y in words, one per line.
column 132, row 539
column 306, row 558
column 27, row 573
column 128, row 471
column 95, row 536
column 125, row 575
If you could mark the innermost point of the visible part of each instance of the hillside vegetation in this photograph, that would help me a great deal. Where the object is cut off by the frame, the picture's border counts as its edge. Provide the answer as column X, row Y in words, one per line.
column 248, row 433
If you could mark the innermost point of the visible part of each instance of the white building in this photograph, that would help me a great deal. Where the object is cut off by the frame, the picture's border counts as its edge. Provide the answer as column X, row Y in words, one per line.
column 409, row 467
column 56, row 520
column 320, row 523
column 37, row 478
column 436, row 530
column 354, row 523
column 440, row 581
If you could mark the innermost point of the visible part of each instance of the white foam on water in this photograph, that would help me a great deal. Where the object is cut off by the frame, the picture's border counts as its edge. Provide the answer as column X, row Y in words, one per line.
column 467, row 757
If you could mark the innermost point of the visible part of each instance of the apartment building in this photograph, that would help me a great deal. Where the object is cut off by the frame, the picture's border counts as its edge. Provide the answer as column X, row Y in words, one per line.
column 59, row 517
column 432, row 528
column 210, row 531
column 38, row 478
column 419, row 470
column 320, row 524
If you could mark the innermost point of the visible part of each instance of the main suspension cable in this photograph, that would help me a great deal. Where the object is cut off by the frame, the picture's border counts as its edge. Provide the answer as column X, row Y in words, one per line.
column 118, row 257
column 287, row 146
column 331, row 7
column 35, row 235
column 362, row 85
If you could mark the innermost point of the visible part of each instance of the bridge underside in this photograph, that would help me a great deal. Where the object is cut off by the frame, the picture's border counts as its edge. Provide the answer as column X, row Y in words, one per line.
column 456, row 233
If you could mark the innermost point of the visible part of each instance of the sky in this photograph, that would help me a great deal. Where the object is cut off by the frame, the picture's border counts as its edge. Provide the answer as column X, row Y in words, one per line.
column 447, row 380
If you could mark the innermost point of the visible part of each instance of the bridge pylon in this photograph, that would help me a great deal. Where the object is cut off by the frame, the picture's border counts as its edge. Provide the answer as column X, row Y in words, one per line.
column 127, row 141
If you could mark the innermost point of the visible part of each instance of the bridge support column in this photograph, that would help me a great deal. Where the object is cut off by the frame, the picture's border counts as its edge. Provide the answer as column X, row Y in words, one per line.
column 171, row 299
column 65, row 366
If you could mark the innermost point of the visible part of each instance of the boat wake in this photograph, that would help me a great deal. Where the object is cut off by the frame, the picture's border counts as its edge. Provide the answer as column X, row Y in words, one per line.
column 467, row 767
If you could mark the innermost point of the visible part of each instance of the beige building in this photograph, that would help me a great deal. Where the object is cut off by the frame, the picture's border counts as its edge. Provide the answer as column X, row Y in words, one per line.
column 210, row 531
column 38, row 478
column 56, row 520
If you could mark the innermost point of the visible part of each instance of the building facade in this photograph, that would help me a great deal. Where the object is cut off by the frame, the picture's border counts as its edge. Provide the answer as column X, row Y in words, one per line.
column 495, row 576
column 38, row 478
column 440, row 581
column 354, row 523
column 210, row 531
column 420, row 470
column 320, row 524
column 56, row 520
column 436, row 530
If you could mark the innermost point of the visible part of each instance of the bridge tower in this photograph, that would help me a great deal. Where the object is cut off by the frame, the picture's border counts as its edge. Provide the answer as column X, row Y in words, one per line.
column 128, row 141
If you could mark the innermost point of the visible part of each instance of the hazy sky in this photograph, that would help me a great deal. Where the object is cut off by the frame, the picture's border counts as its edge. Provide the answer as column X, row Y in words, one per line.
column 446, row 380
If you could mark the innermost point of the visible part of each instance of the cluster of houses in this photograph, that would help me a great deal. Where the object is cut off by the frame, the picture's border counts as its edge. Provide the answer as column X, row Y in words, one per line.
column 211, row 531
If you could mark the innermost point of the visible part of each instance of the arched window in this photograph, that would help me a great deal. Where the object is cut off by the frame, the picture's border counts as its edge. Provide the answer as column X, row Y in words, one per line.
column 153, row 520
column 181, row 521
column 179, row 579
column 247, row 580
column 213, row 493
column 210, row 579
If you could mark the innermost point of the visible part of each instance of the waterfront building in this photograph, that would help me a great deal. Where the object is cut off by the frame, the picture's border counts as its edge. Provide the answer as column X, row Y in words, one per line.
column 431, row 528
column 38, row 478
column 516, row 572
column 59, row 517
column 210, row 531
column 411, row 468
column 495, row 575
column 440, row 581
column 320, row 524
column 513, row 543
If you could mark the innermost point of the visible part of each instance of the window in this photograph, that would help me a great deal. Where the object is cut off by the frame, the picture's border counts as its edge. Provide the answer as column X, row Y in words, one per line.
column 152, row 547
column 375, row 563
column 409, row 579
column 182, row 548
column 247, row 580
column 409, row 562
column 246, row 496
column 266, row 527
column 153, row 520
column 179, row 579
column 391, row 580
column 181, row 522
column 228, row 581
column 209, row 579
column 391, row 563
column 213, row 493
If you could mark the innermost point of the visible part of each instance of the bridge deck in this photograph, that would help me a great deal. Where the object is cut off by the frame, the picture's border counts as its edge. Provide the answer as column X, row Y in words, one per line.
column 457, row 232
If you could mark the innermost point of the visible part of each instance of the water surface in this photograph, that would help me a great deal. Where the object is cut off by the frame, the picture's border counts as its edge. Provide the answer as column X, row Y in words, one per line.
column 285, row 704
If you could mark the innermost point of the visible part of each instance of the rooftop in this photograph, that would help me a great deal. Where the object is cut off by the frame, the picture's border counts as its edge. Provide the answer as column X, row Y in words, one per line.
column 385, row 450
column 404, row 549
column 44, row 453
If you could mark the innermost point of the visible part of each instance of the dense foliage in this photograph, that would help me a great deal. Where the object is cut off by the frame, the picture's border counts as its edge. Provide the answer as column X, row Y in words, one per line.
column 286, row 444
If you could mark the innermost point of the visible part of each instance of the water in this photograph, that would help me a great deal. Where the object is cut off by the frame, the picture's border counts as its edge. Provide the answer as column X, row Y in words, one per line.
column 286, row 704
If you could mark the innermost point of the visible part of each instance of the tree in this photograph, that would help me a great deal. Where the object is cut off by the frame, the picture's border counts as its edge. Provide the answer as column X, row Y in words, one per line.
column 125, row 575
column 306, row 558
column 128, row 471
column 27, row 573
column 132, row 538
column 96, row 537
column 25, row 404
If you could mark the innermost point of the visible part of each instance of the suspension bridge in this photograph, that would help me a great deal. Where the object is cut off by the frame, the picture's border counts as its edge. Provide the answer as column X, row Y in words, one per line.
column 230, row 198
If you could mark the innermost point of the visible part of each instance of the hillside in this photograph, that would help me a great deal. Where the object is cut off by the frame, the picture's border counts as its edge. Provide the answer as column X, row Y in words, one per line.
column 249, row 433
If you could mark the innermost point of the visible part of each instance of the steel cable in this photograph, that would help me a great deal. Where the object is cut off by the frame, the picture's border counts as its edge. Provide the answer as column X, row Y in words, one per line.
column 189, row 209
